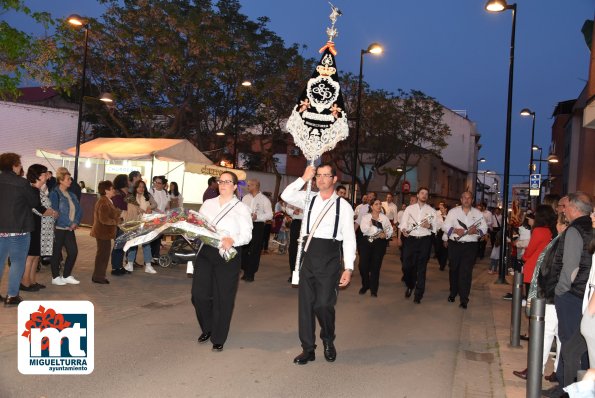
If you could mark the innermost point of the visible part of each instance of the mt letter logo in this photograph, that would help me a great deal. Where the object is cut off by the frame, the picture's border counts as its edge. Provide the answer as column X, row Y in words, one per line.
column 56, row 337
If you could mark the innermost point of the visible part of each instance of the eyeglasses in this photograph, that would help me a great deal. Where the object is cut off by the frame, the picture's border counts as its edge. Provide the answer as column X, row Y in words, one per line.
column 324, row 175
column 225, row 182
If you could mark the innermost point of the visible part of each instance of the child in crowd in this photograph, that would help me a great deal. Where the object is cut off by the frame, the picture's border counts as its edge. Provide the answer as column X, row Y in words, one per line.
column 495, row 255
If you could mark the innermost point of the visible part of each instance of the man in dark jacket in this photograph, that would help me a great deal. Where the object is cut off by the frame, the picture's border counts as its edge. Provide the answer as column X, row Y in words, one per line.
column 570, row 273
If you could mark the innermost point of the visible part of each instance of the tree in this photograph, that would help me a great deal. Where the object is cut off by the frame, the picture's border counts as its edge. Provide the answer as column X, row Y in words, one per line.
column 23, row 57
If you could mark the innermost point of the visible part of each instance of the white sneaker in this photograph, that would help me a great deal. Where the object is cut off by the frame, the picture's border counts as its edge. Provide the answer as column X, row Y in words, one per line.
column 129, row 267
column 71, row 280
column 58, row 281
column 149, row 269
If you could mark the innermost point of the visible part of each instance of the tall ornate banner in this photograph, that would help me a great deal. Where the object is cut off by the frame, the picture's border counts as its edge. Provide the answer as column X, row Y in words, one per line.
column 318, row 121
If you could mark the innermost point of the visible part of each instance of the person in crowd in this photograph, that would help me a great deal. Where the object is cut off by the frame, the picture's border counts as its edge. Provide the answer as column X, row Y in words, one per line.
column 51, row 181
column 418, row 224
column 16, row 222
column 268, row 225
column 212, row 190
column 495, row 255
column 588, row 319
column 562, row 222
column 483, row 242
column 296, row 214
column 37, row 177
column 341, row 191
column 106, row 218
column 161, row 197
column 330, row 225
column 464, row 226
column 119, row 200
column 140, row 202
column 261, row 210
column 69, row 218
column 496, row 225
column 363, row 210
column 175, row 196
column 572, row 265
column 133, row 177
column 390, row 209
column 542, row 232
column 377, row 230
column 215, row 281
column 439, row 249
column 363, row 206
column 83, row 186
column 522, row 242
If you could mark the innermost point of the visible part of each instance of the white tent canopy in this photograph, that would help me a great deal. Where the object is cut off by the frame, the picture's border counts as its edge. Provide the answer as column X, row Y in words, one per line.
column 165, row 149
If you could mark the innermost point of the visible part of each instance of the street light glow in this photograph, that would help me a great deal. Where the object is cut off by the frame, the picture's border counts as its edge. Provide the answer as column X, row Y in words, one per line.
column 107, row 98
column 496, row 5
column 375, row 48
column 527, row 112
column 482, row 160
column 75, row 20
column 246, row 83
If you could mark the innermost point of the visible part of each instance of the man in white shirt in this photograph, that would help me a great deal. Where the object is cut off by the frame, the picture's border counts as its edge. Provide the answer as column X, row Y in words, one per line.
column 363, row 205
column 390, row 209
column 496, row 224
column 418, row 224
column 296, row 215
column 464, row 226
column 261, row 209
column 321, row 271
column 162, row 198
column 483, row 242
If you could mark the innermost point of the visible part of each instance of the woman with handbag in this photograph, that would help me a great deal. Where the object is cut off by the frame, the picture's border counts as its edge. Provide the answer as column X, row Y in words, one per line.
column 215, row 281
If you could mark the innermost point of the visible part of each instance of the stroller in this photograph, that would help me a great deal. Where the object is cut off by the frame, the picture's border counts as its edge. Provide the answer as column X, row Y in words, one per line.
column 181, row 251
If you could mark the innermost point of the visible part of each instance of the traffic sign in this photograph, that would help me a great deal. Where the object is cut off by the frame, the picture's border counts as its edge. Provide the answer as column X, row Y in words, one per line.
column 534, row 181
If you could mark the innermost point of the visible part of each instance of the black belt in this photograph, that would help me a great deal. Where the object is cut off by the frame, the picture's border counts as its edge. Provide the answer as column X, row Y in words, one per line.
column 420, row 237
column 456, row 241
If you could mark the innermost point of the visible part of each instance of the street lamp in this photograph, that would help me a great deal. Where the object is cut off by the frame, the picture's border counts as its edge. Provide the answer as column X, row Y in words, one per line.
column 480, row 160
column 528, row 112
column 76, row 20
column 499, row 6
column 246, row 84
column 376, row 49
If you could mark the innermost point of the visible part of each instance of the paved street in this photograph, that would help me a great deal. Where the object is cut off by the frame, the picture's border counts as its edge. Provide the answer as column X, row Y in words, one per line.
column 387, row 346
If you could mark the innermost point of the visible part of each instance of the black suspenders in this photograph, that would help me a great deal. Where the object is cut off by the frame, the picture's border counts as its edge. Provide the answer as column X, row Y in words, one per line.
column 337, row 212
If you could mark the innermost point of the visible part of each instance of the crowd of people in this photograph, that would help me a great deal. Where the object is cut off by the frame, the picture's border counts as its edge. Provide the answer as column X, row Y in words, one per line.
column 552, row 245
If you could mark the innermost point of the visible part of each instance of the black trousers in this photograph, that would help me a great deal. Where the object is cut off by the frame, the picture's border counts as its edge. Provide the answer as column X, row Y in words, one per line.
column 155, row 247
column 569, row 310
column 214, row 288
column 416, row 253
column 461, row 257
column 481, row 248
column 266, row 235
column 440, row 250
column 318, row 291
column 493, row 234
column 64, row 238
column 251, row 258
column 370, row 261
column 294, row 235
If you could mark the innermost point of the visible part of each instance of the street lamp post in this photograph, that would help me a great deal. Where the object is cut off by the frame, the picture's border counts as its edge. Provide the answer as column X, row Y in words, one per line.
column 499, row 6
column 528, row 112
column 373, row 48
column 480, row 160
column 245, row 83
column 76, row 20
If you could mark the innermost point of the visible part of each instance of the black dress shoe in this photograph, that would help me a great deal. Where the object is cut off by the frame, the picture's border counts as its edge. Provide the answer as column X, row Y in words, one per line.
column 30, row 288
column 408, row 292
column 218, row 347
column 101, row 281
column 374, row 294
column 304, row 358
column 363, row 290
column 520, row 373
column 243, row 277
column 39, row 285
column 463, row 306
column 524, row 337
column 249, row 279
column 552, row 378
column 417, row 301
column 119, row 272
column 204, row 337
column 451, row 299
column 330, row 353
column 12, row 300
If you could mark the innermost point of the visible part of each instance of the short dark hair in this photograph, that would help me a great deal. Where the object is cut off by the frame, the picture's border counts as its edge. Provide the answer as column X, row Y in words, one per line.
column 212, row 180
column 545, row 216
column 8, row 160
column 104, row 186
column 35, row 171
column 162, row 178
column 132, row 174
column 121, row 181
column 333, row 171
column 422, row 188
column 340, row 187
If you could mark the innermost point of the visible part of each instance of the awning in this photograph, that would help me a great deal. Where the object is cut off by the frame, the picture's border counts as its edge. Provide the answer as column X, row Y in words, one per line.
column 166, row 149
column 212, row 170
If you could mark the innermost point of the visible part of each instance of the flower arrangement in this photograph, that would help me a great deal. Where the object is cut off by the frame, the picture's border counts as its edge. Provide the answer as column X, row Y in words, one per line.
column 178, row 221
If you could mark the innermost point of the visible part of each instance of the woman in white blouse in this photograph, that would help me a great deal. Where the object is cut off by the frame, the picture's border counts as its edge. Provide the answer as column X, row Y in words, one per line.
column 377, row 230
column 215, row 281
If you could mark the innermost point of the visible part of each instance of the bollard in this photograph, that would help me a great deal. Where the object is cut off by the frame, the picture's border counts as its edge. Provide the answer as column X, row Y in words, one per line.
column 515, row 317
column 535, row 353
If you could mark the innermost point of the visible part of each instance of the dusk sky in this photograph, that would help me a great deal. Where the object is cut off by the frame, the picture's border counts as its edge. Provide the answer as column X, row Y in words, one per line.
column 454, row 51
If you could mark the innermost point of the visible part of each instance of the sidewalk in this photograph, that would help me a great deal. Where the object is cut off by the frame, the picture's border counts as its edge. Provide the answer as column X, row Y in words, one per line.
column 482, row 364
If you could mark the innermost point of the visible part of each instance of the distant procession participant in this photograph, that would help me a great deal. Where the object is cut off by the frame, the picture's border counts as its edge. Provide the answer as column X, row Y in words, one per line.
column 321, row 273
column 215, row 281
column 439, row 249
column 417, row 225
column 161, row 197
column 262, row 211
column 341, row 191
column 463, row 246
column 377, row 230
column 296, row 215
column 390, row 209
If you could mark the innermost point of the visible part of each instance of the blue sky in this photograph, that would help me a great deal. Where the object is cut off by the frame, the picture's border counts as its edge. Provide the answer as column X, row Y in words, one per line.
column 452, row 50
